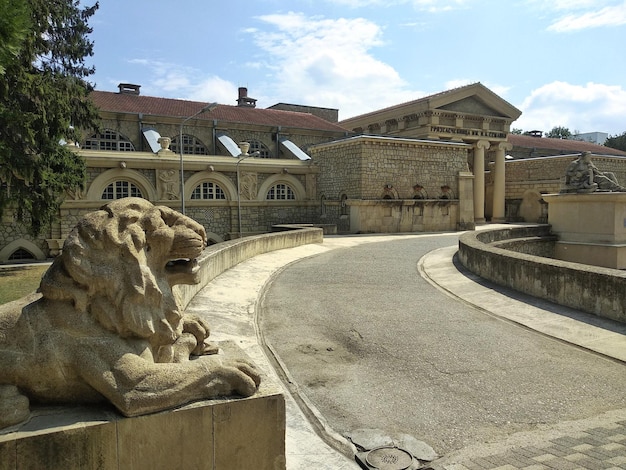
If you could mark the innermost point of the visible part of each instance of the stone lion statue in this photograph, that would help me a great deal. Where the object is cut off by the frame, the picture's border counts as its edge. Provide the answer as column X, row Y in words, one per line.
column 106, row 325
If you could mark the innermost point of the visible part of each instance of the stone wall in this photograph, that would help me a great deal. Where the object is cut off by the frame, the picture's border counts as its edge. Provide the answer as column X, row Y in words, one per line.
column 363, row 166
column 340, row 163
column 546, row 174
column 596, row 290
column 528, row 179
column 406, row 165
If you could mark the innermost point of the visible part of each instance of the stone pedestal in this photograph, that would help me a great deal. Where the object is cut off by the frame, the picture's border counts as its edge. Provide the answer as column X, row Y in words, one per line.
column 216, row 434
column 591, row 227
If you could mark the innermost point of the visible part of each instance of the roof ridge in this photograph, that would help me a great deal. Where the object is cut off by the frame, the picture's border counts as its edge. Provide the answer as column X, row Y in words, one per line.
column 175, row 107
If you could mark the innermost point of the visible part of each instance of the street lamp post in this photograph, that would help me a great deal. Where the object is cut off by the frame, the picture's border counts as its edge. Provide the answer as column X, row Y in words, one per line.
column 244, row 157
column 208, row 107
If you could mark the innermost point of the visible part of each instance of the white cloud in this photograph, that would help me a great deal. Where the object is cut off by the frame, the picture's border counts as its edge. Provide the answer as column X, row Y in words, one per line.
column 365, row 3
column 431, row 6
column 214, row 88
column 607, row 16
column 586, row 108
column 176, row 81
column 568, row 5
column 328, row 62
column 435, row 6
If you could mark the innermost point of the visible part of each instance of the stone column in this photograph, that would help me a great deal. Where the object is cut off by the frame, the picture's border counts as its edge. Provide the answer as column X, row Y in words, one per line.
column 479, row 180
column 499, row 182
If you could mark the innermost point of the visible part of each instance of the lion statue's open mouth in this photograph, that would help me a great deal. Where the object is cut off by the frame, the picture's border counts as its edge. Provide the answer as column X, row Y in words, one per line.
column 109, row 326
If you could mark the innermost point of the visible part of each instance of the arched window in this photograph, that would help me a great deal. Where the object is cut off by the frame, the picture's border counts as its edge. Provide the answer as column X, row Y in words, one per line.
column 257, row 146
column 208, row 190
column 109, row 140
column 120, row 189
column 191, row 145
column 21, row 255
column 280, row 191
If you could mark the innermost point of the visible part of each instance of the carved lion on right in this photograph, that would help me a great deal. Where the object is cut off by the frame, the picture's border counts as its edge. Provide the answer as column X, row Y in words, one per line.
column 107, row 326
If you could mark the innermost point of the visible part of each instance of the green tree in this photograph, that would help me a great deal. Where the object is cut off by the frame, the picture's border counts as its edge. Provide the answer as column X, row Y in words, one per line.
column 559, row 132
column 616, row 141
column 516, row 131
column 14, row 23
column 43, row 95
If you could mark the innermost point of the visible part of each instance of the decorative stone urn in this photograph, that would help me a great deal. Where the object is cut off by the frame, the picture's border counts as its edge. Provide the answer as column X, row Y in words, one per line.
column 244, row 147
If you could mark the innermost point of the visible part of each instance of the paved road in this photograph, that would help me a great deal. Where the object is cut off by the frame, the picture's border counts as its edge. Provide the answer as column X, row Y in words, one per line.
column 373, row 345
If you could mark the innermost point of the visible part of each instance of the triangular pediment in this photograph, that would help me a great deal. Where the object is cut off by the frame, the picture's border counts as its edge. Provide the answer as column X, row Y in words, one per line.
column 472, row 105
column 474, row 99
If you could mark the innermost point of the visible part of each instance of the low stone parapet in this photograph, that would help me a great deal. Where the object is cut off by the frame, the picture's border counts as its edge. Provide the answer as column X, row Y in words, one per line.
column 489, row 254
column 328, row 229
column 222, row 256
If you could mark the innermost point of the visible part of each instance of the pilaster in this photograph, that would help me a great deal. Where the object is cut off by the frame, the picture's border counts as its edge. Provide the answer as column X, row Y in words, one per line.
column 479, row 180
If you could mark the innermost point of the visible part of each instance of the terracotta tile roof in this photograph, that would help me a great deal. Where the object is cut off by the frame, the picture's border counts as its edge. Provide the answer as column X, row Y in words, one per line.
column 561, row 145
column 150, row 105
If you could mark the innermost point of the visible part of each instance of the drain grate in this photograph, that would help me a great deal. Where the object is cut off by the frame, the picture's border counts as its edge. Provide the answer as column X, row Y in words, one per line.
column 387, row 458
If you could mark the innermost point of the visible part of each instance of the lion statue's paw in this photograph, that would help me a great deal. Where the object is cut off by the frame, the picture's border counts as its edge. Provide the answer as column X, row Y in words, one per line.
column 199, row 328
column 228, row 377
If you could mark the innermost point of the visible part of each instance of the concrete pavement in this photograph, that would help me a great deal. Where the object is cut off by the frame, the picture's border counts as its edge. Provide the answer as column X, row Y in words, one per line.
column 231, row 302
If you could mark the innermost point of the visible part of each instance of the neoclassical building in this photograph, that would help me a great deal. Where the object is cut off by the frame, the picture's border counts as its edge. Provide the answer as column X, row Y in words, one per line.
column 472, row 115
column 436, row 163
column 511, row 172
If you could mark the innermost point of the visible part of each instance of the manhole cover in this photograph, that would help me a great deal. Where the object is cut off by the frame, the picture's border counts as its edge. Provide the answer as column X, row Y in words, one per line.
column 389, row 458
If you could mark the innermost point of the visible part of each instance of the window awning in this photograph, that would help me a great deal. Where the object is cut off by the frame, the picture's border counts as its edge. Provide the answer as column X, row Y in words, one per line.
column 293, row 149
column 152, row 137
column 229, row 144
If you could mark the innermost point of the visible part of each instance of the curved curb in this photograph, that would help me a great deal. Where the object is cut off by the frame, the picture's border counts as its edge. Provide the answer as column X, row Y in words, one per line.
column 589, row 332
column 309, row 410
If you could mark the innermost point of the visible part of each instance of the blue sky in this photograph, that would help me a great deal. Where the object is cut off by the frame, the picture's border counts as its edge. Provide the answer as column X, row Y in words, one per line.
column 561, row 62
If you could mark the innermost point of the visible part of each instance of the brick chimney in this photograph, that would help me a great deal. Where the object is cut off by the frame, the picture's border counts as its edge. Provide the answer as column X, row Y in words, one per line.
column 129, row 88
column 244, row 100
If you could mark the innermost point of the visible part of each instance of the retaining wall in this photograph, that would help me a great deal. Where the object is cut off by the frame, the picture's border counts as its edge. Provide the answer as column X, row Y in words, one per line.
column 517, row 258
